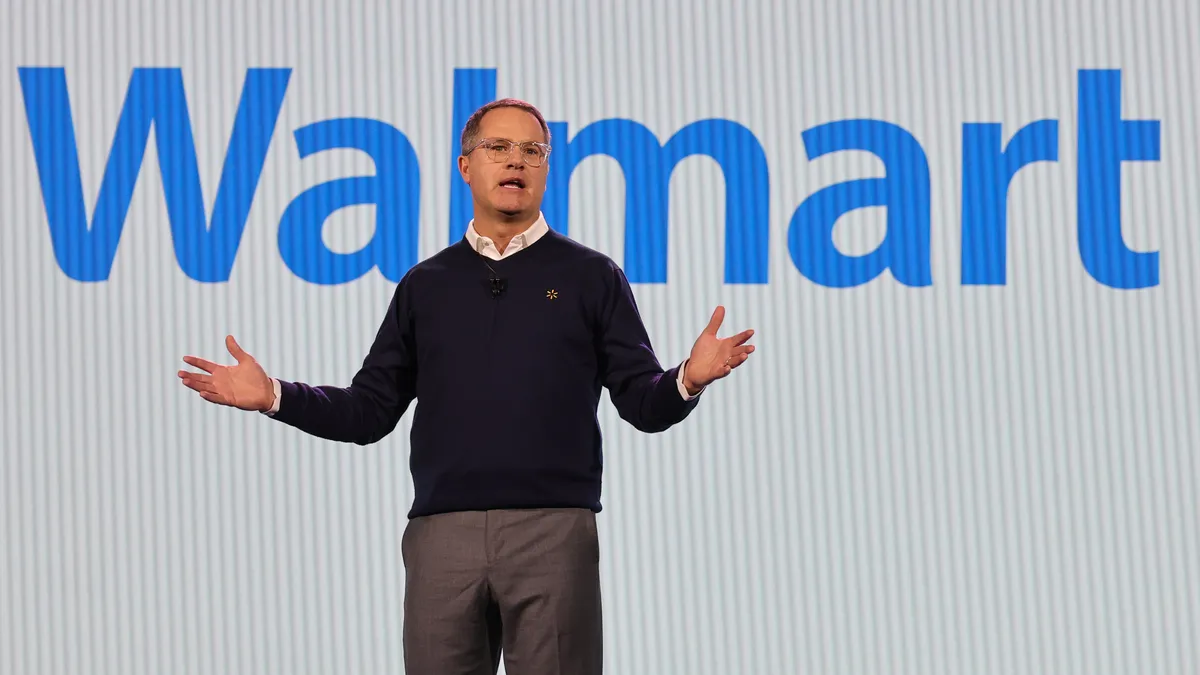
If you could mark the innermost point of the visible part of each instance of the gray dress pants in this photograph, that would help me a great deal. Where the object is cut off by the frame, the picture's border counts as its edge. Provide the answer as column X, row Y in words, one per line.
column 524, row 583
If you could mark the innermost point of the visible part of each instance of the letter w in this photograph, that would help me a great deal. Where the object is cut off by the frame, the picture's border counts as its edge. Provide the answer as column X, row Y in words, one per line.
column 155, row 97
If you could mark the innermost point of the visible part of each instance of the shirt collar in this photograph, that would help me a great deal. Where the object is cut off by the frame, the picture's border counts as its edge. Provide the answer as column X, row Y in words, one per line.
column 524, row 240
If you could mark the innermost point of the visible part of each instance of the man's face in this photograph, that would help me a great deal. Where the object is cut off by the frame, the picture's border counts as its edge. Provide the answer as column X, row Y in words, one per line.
column 510, row 186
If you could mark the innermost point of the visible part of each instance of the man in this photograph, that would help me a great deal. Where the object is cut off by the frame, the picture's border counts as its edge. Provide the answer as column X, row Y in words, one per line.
column 505, row 340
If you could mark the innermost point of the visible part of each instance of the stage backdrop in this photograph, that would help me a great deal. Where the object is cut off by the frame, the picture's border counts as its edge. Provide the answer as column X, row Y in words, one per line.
column 965, row 233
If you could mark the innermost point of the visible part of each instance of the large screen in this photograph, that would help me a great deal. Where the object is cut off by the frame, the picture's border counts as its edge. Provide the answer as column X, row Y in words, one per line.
column 965, row 234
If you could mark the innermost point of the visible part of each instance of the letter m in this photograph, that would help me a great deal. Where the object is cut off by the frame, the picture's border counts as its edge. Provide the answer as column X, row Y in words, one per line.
column 85, row 251
column 648, row 166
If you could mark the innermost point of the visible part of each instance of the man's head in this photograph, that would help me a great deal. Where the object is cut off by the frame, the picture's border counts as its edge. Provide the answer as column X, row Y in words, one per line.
column 505, row 149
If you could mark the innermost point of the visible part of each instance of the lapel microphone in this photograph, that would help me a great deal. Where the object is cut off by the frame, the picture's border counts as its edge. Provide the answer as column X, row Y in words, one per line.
column 497, row 284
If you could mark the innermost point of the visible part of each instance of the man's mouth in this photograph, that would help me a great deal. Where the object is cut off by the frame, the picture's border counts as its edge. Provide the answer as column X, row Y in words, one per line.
column 512, row 184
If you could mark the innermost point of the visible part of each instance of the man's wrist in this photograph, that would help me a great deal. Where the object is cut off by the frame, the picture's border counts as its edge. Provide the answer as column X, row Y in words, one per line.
column 689, row 387
column 272, row 402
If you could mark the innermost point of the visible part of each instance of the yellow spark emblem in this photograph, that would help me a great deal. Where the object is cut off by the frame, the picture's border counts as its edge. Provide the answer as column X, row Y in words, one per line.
column 551, row 294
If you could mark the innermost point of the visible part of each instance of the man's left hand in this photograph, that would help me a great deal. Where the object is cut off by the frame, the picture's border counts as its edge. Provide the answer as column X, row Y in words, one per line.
column 713, row 358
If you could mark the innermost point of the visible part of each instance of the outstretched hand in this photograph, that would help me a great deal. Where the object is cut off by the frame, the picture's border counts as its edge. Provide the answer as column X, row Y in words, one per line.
column 713, row 358
column 244, row 385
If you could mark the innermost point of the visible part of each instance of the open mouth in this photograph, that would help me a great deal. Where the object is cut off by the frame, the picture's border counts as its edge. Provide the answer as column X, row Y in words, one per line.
column 512, row 184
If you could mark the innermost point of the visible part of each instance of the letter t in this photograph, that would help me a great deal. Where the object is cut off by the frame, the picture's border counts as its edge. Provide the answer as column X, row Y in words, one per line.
column 1106, row 140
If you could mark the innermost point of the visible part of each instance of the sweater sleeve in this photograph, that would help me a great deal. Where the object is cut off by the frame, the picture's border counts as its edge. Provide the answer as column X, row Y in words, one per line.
column 379, row 393
column 644, row 394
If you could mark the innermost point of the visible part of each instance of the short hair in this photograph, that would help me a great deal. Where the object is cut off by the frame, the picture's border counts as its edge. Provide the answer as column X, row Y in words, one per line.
column 470, row 132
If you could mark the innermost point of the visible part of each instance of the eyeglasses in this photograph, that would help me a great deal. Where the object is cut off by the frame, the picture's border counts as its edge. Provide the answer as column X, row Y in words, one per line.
column 500, row 149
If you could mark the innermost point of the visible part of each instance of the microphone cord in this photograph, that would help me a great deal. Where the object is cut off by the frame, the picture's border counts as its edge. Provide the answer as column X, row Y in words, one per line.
column 498, row 284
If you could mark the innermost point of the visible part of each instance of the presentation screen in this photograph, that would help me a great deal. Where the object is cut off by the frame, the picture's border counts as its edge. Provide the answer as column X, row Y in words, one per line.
column 964, row 233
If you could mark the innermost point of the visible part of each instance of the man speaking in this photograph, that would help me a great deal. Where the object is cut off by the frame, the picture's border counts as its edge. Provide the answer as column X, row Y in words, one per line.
column 504, row 339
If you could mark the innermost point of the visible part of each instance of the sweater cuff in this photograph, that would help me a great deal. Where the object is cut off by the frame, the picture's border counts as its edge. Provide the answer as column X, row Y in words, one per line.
column 288, row 411
column 670, row 408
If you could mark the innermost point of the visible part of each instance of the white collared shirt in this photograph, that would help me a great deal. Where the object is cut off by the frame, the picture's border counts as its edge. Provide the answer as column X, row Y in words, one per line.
column 485, row 247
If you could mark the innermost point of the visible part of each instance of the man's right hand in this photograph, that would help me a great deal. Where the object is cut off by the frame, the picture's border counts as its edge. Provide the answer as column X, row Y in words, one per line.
column 244, row 386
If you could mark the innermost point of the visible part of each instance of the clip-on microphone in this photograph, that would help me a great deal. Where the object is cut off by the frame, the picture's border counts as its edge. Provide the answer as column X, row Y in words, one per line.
column 498, row 284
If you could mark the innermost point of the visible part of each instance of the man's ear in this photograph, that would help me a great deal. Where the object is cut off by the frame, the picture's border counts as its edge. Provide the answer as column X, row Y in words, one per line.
column 464, row 166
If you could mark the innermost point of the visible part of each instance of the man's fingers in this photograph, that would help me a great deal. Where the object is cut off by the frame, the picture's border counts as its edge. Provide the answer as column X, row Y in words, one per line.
column 197, row 382
column 715, row 322
column 199, row 378
column 743, row 349
column 213, row 398
column 740, row 338
column 202, row 364
column 236, row 350
column 737, row 360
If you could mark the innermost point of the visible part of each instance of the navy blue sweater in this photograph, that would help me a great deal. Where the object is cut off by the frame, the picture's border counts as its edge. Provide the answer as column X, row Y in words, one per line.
column 506, row 387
